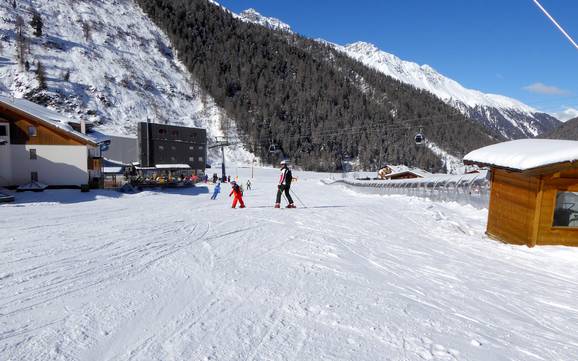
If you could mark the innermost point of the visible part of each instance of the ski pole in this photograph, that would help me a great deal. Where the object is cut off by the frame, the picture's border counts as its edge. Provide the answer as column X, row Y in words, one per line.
column 296, row 196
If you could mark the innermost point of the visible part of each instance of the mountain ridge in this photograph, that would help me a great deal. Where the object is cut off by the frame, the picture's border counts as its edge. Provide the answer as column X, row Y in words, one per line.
column 567, row 131
column 318, row 105
column 508, row 116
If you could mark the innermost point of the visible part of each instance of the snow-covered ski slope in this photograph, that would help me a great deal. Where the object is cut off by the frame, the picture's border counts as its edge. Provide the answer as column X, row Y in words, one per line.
column 174, row 276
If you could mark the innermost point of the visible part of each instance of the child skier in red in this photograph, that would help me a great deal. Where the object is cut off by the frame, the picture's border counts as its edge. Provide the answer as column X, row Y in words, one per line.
column 238, row 195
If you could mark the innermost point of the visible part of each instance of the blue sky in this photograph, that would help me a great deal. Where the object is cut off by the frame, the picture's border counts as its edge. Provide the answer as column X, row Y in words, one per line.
column 506, row 47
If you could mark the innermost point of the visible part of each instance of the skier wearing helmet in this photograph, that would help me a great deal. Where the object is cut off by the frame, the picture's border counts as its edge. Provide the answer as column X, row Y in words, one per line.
column 284, row 186
column 238, row 195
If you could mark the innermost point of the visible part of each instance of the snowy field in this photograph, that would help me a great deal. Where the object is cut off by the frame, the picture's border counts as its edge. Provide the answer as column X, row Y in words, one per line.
column 175, row 276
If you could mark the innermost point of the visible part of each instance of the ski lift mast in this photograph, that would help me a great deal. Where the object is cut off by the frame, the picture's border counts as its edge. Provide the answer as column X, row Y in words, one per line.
column 222, row 143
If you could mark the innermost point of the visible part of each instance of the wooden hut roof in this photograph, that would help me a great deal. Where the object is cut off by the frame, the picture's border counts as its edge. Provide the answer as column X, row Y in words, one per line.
column 526, row 154
column 47, row 117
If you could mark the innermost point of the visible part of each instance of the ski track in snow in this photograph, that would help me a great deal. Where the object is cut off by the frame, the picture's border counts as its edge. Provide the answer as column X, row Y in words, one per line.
column 175, row 276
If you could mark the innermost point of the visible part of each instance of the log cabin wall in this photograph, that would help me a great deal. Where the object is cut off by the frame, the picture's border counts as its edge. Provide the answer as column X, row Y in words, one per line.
column 565, row 181
column 512, row 206
column 403, row 176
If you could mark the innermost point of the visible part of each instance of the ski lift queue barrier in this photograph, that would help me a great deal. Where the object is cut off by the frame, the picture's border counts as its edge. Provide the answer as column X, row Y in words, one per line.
column 473, row 189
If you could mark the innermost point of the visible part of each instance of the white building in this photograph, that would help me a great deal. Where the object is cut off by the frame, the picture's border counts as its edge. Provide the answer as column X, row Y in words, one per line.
column 39, row 145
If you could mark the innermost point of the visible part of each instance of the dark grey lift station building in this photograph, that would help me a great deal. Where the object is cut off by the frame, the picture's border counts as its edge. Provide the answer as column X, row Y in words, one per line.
column 171, row 144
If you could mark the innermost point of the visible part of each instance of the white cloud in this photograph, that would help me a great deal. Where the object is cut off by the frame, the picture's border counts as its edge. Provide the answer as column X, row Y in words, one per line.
column 542, row 88
column 567, row 114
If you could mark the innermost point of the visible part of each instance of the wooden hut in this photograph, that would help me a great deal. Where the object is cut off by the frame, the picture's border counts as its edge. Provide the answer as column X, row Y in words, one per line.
column 534, row 191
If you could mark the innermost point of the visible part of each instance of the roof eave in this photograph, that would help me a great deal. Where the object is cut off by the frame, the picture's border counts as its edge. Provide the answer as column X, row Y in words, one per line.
column 52, row 126
column 545, row 169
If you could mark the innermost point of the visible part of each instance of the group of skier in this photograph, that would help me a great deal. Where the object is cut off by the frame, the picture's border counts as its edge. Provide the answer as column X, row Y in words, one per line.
column 283, row 187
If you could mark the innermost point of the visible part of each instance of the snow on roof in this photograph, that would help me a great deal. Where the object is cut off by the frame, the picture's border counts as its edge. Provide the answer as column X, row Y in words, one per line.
column 98, row 137
column 112, row 170
column 44, row 114
column 173, row 166
column 114, row 163
column 113, row 135
column 525, row 154
column 401, row 169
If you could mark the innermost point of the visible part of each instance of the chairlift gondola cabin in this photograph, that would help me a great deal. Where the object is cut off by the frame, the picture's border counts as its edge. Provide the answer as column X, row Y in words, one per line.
column 274, row 148
column 534, row 191
column 419, row 138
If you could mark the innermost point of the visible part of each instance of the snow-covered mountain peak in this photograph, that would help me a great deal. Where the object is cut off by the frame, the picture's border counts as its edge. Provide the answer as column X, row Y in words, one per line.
column 427, row 68
column 426, row 77
column 253, row 16
column 510, row 117
column 362, row 47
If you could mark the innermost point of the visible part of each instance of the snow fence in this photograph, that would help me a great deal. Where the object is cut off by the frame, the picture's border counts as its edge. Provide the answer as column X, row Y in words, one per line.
column 473, row 189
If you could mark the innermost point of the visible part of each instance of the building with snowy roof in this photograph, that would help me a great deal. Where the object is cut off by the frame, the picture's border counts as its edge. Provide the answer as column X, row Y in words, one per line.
column 40, row 146
column 534, row 191
column 393, row 172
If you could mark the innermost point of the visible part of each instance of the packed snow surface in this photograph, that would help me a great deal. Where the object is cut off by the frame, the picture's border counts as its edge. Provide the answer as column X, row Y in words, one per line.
column 525, row 154
column 172, row 275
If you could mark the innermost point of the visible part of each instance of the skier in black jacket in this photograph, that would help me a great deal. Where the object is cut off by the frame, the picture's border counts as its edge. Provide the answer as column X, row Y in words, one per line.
column 284, row 186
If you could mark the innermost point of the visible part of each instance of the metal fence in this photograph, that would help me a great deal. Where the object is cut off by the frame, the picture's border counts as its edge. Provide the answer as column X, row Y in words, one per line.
column 473, row 189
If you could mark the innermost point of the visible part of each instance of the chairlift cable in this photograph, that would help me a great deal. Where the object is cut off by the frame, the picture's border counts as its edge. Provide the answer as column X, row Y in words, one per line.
column 367, row 128
column 556, row 23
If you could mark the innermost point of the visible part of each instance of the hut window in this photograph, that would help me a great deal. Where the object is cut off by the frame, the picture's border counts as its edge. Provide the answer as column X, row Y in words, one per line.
column 34, row 176
column 161, row 147
column 566, row 211
column 2, row 130
column 32, row 131
column 33, row 154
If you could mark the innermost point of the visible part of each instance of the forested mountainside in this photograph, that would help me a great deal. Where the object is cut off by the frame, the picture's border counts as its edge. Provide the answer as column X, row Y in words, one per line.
column 568, row 131
column 319, row 105
column 104, row 61
column 503, row 115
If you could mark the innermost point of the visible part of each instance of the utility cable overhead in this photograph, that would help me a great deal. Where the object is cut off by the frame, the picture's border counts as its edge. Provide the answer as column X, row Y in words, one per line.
column 556, row 23
column 367, row 129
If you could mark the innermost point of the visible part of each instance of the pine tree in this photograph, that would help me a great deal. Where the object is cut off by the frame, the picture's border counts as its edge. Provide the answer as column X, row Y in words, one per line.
column 41, row 75
column 86, row 31
column 66, row 75
column 36, row 23
column 20, row 40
